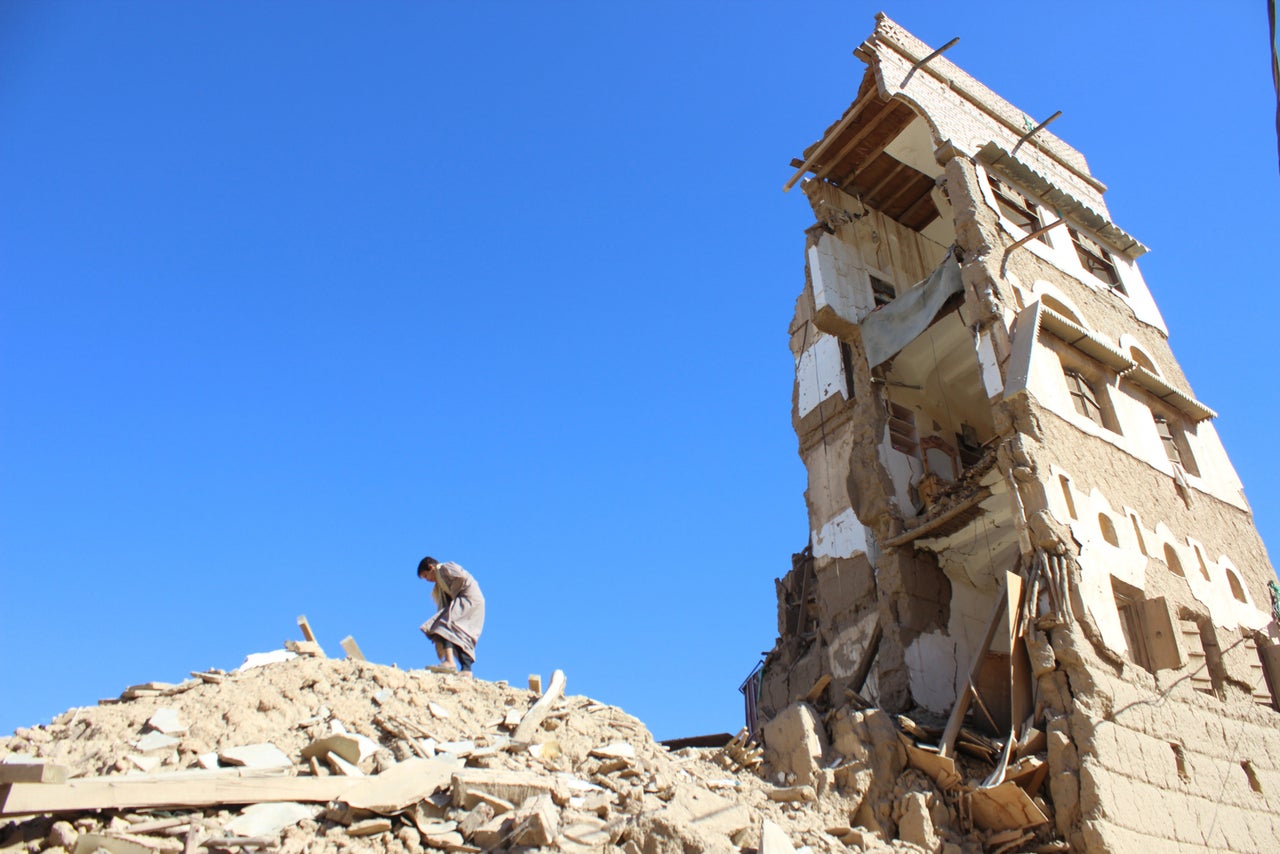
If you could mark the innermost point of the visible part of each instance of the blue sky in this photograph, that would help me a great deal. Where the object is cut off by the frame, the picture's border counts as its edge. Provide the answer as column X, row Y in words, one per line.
column 293, row 294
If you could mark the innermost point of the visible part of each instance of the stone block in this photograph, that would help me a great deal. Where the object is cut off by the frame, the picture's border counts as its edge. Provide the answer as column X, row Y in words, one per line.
column 514, row 787
column 795, row 742
column 536, row 823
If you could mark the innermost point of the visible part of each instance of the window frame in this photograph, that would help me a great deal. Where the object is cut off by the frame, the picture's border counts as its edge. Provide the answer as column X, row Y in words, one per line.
column 1096, row 260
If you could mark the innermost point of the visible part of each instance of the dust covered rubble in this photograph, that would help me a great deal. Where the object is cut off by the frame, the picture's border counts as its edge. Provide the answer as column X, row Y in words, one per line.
column 316, row 754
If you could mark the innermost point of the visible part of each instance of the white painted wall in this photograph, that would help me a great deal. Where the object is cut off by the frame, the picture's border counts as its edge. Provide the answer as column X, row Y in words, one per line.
column 840, row 280
column 819, row 373
column 843, row 536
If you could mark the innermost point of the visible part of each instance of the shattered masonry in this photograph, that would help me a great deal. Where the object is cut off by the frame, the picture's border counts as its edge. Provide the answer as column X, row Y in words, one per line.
column 1011, row 488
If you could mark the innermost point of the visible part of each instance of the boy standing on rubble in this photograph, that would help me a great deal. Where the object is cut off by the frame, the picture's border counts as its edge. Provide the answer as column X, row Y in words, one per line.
column 459, row 618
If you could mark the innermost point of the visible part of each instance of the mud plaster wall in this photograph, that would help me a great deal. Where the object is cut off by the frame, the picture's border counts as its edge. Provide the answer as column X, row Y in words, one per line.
column 1125, row 482
column 1132, row 409
column 1136, row 790
column 1100, row 310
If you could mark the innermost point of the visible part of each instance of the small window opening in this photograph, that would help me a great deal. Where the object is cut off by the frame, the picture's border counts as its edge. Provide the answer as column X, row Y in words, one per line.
column 902, row 430
column 1143, row 360
column 1180, row 757
column 1171, row 558
column 1061, row 308
column 1237, row 589
column 1017, row 208
column 1065, row 483
column 883, row 292
column 1108, row 529
column 1204, row 567
column 1096, row 260
column 1251, row 776
column 1137, row 533
column 1083, row 397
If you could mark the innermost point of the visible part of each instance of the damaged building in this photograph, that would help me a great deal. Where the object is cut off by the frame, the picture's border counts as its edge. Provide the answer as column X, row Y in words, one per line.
column 1026, row 540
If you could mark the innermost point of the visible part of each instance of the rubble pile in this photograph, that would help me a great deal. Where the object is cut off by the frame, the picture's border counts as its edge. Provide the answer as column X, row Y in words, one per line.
column 305, row 753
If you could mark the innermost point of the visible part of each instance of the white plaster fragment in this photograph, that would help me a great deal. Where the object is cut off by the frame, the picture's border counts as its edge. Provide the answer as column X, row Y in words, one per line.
column 819, row 374
column 990, row 367
column 843, row 536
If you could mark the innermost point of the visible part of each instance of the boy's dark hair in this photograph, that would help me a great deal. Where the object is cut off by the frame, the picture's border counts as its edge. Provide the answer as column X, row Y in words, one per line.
column 427, row 563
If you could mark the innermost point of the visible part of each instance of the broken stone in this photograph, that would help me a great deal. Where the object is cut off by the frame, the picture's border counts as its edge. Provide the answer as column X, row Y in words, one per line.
column 369, row 827
column 256, row 756
column 795, row 741
column 513, row 787
column 536, row 822
column 773, row 840
column 167, row 721
column 154, row 741
column 793, row 794
column 267, row 819
column 614, row 750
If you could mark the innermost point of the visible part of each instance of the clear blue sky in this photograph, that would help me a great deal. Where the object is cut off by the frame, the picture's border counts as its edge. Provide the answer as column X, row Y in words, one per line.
column 293, row 294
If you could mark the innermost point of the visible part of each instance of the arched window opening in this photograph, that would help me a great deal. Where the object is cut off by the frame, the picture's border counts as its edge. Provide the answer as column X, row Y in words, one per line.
column 1061, row 308
column 1237, row 589
column 1065, row 483
column 1137, row 533
column 1108, row 529
column 1143, row 360
column 1171, row 558
column 1204, row 567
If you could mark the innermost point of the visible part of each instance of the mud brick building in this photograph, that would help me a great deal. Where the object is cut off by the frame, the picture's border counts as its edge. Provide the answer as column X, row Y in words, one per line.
column 1023, row 524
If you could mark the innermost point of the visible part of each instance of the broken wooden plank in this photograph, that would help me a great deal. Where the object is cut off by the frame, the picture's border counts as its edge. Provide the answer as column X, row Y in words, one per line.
column 401, row 785
column 305, row 625
column 941, row 769
column 818, row 687
column 998, row 613
column 187, row 789
column 1005, row 807
column 352, row 648
column 539, row 711
column 32, row 772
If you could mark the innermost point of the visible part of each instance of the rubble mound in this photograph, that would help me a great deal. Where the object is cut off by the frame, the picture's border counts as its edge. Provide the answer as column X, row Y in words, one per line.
column 286, row 755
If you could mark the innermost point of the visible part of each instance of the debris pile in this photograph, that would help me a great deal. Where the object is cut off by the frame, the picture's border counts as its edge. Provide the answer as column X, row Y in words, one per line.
column 297, row 752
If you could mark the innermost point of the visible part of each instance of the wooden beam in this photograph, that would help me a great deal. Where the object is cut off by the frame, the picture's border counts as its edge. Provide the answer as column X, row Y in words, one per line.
column 893, row 173
column 538, row 712
column 191, row 789
column 33, row 772
column 937, row 522
column 1000, row 611
column 352, row 648
column 830, row 138
column 306, row 628
column 858, row 137
column 946, row 47
column 926, row 196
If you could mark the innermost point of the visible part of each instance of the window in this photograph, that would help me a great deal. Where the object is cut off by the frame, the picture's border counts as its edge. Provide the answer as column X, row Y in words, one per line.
column 883, row 292
column 1171, row 558
column 1096, row 260
column 968, row 446
column 1016, row 208
column 1084, row 397
column 1202, row 656
column 902, row 430
column 1148, row 629
column 1175, row 444
column 1128, row 607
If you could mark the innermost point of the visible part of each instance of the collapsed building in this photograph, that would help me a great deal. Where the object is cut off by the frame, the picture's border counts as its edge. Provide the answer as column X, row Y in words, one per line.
column 1023, row 524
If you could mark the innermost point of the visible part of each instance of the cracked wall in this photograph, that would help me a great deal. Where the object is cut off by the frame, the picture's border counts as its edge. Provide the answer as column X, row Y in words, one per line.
column 1014, row 497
